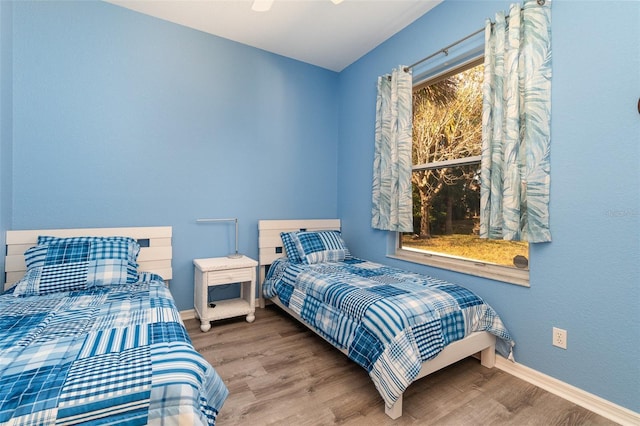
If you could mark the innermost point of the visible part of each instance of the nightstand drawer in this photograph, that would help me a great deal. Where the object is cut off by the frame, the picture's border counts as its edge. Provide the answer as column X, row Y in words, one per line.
column 229, row 276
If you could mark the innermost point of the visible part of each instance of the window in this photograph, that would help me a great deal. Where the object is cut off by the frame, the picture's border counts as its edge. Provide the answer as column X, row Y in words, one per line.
column 447, row 142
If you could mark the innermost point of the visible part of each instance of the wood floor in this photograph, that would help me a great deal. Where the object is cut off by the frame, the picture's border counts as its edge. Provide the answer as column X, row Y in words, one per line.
column 280, row 373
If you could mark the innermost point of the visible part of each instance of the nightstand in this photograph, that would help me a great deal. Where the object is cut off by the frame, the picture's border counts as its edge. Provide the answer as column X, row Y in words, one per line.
column 219, row 271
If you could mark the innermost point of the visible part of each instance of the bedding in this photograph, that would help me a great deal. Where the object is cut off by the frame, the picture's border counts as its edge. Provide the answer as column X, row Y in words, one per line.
column 318, row 246
column 103, row 354
column 387, row 320
column 78, row 263
column 115, row 248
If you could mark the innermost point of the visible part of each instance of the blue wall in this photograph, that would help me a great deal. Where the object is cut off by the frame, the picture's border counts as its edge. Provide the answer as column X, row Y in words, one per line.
column 6, row 121
column 121, row 119
column 112, row 118
column 587, row 280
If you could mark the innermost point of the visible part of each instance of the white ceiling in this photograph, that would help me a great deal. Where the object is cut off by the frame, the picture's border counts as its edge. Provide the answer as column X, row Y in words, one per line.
column 314, row 31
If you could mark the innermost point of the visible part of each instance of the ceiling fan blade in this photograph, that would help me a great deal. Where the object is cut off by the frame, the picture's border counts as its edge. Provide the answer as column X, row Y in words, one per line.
column 261, row 5
column 265, row 5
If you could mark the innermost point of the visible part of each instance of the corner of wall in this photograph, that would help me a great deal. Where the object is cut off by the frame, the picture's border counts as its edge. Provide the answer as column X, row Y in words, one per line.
column 6, row 120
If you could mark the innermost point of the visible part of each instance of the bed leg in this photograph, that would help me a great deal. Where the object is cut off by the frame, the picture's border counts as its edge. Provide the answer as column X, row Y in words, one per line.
column 488, row 357
column 395, row 410
column 263, row 272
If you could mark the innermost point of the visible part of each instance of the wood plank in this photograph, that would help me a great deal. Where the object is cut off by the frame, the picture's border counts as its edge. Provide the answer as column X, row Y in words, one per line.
column 296, row 224
column 31, row 235
column 155, row 253
column 278, row 372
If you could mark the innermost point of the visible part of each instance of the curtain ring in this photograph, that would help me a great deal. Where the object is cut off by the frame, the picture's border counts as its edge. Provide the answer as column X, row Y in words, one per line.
column 541, row 2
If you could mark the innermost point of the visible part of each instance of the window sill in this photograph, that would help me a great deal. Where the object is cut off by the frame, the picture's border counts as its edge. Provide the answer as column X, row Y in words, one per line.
column 485, row 270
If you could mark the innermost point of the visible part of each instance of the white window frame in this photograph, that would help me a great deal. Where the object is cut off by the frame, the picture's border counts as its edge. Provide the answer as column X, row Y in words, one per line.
column 458, row 264
column 440, row 260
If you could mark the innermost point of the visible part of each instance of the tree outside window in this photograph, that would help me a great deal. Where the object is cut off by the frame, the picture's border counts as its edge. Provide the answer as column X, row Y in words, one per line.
column 447, row 141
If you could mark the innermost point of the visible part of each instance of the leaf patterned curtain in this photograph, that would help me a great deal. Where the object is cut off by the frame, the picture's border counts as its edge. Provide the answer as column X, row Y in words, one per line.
column 514, row 202
column 392, row 203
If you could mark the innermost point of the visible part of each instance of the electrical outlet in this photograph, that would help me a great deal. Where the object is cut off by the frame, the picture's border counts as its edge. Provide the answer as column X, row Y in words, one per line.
column 559, row 338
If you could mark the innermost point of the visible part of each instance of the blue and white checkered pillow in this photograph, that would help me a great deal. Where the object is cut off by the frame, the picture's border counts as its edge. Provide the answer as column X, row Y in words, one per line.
column 290, row 246
column 106, row 248
column 68, row 264
column 115, row 247
column 320, row 246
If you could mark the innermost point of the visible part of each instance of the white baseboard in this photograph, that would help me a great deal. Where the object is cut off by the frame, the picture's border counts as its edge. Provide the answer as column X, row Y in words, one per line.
column 573, row 394
column 591, row 402
column 188, row 314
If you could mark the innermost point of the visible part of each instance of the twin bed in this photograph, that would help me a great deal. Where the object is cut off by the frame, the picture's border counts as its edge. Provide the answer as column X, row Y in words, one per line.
column 91, row 334
column 398, row 325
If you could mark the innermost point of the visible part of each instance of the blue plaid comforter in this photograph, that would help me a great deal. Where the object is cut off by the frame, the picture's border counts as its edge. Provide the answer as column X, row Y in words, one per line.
column 116, row 355
column 388, row 320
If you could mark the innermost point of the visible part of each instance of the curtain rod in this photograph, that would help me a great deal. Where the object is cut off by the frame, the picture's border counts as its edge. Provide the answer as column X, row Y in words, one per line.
column 445, row 49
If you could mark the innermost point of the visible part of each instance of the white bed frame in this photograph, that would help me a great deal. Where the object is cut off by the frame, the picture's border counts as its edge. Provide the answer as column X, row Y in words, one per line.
column 155, row 251
column 271, row 248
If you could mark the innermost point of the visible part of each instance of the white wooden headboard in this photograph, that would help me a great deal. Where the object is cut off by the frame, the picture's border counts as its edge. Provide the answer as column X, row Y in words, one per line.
column 155, row 247
column 270, row 245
